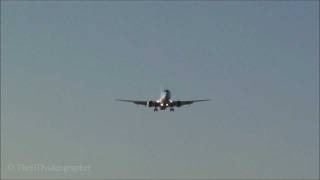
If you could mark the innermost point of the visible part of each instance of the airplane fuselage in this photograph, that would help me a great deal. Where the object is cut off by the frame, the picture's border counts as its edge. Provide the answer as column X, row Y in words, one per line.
column 165, row 99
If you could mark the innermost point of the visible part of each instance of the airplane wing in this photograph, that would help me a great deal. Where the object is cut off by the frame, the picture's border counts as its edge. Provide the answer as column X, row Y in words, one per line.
column 181, row 103
column 135, row 102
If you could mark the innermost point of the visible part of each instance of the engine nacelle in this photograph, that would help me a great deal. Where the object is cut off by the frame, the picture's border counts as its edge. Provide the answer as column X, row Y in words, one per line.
column 150, row 103
column 178, row 103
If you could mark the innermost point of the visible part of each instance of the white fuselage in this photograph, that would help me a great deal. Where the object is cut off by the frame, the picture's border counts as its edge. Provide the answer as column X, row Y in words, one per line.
column 165, row 98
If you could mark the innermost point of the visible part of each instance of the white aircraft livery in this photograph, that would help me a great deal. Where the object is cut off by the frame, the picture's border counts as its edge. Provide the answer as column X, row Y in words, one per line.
column 163, row 102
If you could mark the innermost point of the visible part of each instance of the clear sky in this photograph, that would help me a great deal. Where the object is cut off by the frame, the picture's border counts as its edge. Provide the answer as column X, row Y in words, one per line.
column 65, row 62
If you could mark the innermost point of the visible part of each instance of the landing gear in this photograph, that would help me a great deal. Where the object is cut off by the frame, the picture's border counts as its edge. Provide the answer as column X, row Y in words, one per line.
column 171, row 109
column 155, row 109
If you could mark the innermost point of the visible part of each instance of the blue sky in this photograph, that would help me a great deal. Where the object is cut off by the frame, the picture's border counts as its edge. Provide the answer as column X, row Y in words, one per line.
column 64, row 63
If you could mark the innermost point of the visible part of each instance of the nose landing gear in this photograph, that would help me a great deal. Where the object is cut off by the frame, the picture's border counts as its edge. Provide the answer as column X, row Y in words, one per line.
column 155, row 109
column 171, row 109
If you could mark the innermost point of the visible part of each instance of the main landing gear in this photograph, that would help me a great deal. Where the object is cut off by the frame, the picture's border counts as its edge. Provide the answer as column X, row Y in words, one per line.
column 156, row 109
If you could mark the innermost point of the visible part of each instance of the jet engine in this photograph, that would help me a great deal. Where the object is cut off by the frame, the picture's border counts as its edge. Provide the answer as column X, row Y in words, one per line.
column 150, row 103
column 178, row 103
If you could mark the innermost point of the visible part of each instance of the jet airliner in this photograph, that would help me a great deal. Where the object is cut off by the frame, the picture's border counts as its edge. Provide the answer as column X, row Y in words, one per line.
column 164, row 102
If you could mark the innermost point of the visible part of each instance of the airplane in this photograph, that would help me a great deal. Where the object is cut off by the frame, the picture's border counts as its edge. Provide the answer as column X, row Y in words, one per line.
column 163, row 102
